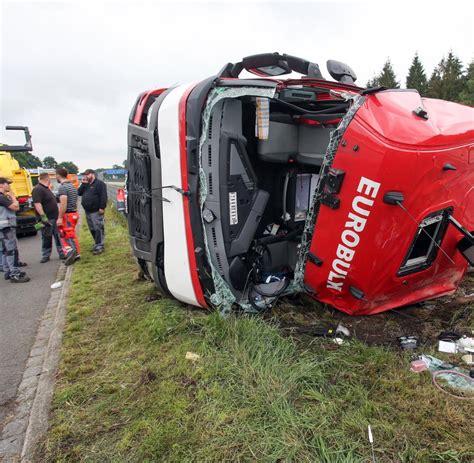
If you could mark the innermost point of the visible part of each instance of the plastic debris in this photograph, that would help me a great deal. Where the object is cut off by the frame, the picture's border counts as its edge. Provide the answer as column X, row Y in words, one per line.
column 452, row 376
column 447, row 346
column 468, row 359
column 456, row 380
column 371, row 441
column 56, row 285
column 192, row 356
column 408, row 342
column 465, row 344
column 341, row 329
column 418, row 365
column 448, row 336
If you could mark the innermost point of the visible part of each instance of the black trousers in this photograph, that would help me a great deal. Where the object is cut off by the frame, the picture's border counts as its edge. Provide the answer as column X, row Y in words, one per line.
column 47, row 234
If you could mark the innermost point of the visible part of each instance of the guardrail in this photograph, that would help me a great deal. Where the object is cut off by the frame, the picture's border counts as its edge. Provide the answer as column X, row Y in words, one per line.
column 112, row 188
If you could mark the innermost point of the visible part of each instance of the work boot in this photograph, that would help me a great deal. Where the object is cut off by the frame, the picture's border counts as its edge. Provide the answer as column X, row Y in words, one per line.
column 20, row 278
column 70, row 258
column 22, row 264
column 44, row 259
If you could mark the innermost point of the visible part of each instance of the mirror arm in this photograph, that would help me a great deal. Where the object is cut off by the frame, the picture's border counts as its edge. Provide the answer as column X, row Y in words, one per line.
column 459, row 227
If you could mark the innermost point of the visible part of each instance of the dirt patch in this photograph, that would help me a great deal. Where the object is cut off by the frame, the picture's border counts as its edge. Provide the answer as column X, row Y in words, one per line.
column 303, row 316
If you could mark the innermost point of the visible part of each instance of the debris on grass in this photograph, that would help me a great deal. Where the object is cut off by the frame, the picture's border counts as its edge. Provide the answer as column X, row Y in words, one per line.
column 192, row 356
column 468, row 359
column 418, row 366
column 408, row 342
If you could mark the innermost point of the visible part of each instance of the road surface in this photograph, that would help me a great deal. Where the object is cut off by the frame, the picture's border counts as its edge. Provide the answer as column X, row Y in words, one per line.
column 21, row 309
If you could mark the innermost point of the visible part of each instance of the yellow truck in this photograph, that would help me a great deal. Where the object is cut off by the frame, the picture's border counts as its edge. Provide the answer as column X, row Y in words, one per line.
column 22, row 185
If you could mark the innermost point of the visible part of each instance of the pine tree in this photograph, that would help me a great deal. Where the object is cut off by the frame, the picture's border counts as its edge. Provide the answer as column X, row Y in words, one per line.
column 387, row 77
column 435, row 89
column 416, row 76
column 372, row 83
column 467, row 94
column 447, row 81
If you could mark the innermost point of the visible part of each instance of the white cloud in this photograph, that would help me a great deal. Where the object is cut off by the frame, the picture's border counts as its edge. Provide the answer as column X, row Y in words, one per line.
column 71, row 71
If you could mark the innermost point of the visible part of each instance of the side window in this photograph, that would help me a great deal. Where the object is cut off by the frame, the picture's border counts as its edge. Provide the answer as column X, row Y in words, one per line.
column 424, row 247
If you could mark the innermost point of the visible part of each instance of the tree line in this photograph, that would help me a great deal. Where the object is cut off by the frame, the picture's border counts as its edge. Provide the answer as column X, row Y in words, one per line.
column 30, row 161
column 449, row 79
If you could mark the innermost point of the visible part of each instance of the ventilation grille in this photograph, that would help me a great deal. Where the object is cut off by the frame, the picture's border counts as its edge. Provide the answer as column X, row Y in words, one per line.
column 209, row 155
column 209, row 132
column 210, row 189
column 214, row 237
column 219, row 262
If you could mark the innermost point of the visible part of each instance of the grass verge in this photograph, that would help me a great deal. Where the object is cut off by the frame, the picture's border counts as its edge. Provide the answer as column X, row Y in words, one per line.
column 125, row 391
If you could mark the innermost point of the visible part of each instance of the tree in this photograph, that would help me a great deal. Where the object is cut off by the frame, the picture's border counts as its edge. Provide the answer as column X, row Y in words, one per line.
column 416, row 76
column 27, row 160
column 386, row 78
column 373, row 83
column 125, row 163
column 434, row 84
column 69, row 166
column 447, row 81
column 49, row 162
column 116, row 166
column 467, row 94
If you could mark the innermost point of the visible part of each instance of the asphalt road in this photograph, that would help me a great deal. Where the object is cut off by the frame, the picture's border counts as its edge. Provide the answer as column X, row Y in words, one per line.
column 21, row 309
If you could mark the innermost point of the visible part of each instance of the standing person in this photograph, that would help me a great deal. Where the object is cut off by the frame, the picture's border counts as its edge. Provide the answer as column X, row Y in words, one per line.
column 94, row 202
column 9, row 205
column 47, row 209
column 67, row 217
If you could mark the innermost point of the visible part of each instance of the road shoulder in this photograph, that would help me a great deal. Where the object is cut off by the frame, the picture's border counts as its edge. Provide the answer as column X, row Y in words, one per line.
column 30, row 418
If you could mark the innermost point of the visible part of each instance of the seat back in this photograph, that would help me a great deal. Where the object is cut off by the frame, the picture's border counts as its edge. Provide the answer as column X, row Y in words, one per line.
column 305, row 143
column 282, row 143
column 313, row 141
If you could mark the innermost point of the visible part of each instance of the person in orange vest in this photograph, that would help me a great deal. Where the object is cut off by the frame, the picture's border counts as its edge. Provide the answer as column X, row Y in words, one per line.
column 68, row 217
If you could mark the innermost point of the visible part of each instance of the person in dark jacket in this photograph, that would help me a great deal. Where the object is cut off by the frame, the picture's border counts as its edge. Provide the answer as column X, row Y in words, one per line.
column 94, row 202
column 47, row 211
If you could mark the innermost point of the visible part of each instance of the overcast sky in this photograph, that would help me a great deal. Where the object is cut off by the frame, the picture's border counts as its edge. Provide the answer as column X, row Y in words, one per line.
column 72, row 70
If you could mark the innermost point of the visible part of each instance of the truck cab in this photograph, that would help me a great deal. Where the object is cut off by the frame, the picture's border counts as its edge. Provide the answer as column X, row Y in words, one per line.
column 244, row 190
column 22, row 185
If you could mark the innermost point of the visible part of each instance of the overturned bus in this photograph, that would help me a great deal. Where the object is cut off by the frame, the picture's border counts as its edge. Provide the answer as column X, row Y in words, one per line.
column 241, row 190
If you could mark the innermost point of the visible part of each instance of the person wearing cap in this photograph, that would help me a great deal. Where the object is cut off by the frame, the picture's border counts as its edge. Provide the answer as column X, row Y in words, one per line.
column 94, row 202
column 9, row 205
column 67, row 217
column 46, row 208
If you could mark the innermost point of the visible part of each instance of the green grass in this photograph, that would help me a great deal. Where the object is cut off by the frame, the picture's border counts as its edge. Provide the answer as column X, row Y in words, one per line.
column 125, row 391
